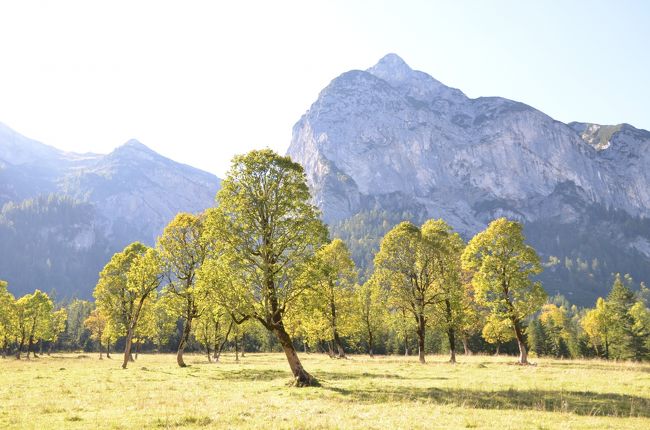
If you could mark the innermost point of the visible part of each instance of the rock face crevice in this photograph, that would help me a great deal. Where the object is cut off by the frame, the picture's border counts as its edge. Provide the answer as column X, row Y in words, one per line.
column 396, row 139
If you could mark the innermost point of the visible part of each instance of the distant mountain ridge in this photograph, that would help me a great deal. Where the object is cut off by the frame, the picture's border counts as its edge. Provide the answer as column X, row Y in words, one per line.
column 129, row 194
column 394, row 140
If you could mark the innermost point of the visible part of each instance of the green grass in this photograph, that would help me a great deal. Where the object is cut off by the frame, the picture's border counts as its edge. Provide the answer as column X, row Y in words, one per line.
column 80, row 391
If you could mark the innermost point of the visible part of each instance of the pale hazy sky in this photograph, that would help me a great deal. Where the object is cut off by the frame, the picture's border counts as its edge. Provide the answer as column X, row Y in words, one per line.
column 200, row 81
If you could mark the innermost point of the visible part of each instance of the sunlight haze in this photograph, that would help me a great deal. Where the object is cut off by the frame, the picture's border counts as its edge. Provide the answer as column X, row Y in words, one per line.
column 201, row 81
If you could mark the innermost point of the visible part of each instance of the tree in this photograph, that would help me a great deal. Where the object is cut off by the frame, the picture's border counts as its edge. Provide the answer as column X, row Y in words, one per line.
column 597, row 324
column 162, row 323
column 125, row 284
column 182, row 250
column 627, row 338
column 497, row 330
column 641, row 315
column 267, row 232
column 537, row 339
column 213, row 327
column 502, row 266
column 371, row 304
column 96, row 324
column 473, row 318
column 445, row 248
column 33, row 313
column 561, row 336
column 7, row 317
column 55, row 324
column 403, row 264
column 333, row 276
column 76, row 334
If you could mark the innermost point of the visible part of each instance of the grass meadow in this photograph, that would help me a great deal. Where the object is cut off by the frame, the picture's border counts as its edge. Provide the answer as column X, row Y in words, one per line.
column 81, row 391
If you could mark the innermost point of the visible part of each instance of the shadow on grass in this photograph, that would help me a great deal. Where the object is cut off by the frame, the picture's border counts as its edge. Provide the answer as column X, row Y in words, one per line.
column 576, row 402
column 634, row 367
column 250, row 375
column 339, row 376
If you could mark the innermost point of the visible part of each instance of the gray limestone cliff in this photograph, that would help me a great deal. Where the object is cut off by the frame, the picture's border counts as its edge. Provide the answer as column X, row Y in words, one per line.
column 394, row 139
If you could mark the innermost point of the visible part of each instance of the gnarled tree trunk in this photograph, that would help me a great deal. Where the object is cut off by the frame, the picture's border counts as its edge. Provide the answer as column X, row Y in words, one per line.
column 129, row 333
column 184, row 339
column 521, row 342
column 301, row 377
column 127, row 347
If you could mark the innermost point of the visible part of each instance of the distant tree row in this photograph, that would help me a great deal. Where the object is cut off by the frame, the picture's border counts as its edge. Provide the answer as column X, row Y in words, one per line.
column 618, row 327
column 259, row 272
column 28, row 323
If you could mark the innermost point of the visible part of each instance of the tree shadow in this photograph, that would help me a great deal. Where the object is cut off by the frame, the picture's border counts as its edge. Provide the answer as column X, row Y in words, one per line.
column 250, row 375
column 611, row 365
column 339, row 376
column 576, row 402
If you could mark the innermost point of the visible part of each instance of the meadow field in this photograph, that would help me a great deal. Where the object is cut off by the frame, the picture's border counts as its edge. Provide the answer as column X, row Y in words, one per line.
column 81, row 391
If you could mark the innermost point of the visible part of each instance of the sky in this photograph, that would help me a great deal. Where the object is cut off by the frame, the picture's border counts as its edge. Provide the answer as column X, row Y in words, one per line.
column 201, row 81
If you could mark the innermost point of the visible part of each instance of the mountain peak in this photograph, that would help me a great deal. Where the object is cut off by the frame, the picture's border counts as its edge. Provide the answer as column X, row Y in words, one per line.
column 136, row 144
column 391, row 67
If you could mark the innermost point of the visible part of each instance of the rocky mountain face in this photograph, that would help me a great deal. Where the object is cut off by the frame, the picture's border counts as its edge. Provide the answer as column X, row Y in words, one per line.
column 391, row 140
column 97, row 204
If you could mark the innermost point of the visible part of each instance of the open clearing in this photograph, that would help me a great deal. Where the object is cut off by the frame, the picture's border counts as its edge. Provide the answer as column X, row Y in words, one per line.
column 80, row 391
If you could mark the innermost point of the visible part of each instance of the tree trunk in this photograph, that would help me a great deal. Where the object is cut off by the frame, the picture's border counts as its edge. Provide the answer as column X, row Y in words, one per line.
column 129, row 333
column 301, row 377
column 108, row 349
column 406, row 345
column 496, row 354
column 217, row 352
column 339, row 345
column 421, row 337
column 335, row 333
column 184, row 339
column 330, row 350
column 236, row 349
column 137, row 348
column 242, row 344
column 466, row 345
column 101, row 357
column 452, row 343
column 127, row 347
column 523, row 352
column 29, row 346
column 207, row 348
column 451, row 335
column 20, row 347
column 370, row 344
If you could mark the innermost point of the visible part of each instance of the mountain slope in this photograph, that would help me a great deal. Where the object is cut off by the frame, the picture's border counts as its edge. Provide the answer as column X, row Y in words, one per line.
column 127, row 195
column 394, row 140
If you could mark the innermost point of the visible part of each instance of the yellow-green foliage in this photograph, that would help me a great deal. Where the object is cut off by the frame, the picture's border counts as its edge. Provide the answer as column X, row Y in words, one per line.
column 79, row 392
